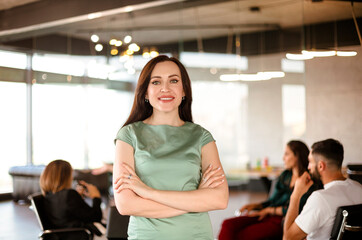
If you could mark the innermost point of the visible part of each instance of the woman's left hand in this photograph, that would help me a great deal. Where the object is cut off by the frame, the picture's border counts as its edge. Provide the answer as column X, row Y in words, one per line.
column 211, row 178
column 262, row 213
column 130, row 180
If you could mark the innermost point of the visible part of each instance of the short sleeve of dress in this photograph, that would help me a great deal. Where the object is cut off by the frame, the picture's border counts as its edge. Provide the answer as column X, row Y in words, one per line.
column 206, row 137
column 125, row 134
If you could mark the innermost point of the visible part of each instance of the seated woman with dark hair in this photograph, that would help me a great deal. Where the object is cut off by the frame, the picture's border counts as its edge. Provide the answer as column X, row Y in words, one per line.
column 65, row 206
column 266, row 222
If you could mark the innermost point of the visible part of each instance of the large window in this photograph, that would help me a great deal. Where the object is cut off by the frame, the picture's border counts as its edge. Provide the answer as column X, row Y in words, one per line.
column 12, row 130
column 78, row 108
column 77, row 123
column 221, row 108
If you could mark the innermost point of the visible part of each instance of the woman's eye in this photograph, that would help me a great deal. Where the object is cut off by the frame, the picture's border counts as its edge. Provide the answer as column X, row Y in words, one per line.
column 174, row 81
column 155, row 82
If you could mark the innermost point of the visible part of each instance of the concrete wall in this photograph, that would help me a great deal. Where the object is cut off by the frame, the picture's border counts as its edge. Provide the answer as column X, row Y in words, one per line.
column 334, row 102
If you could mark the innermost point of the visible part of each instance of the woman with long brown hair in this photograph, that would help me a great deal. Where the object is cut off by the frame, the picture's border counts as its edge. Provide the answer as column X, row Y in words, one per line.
column 167, row 172
column 264, row 220
column 65, row 207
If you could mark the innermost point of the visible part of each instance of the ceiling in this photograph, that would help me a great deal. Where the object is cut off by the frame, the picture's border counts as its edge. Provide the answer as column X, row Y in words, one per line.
column 165, row 21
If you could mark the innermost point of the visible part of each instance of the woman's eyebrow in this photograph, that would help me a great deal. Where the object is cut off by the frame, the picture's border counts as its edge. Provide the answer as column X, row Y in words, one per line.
column 172, row 75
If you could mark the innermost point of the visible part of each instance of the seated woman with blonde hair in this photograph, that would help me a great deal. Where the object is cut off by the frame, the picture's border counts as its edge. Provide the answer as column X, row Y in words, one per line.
column 65, row 207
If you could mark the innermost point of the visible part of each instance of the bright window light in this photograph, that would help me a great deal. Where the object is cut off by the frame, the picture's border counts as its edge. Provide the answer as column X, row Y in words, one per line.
column 13, row 59
column 294, row 113
column 99, row 70
column 214, row 60
column 62, row 64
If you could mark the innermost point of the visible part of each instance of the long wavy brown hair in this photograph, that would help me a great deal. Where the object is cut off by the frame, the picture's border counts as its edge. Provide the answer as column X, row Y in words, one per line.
column 301, row 151
column 141, row 109
column 56, row 176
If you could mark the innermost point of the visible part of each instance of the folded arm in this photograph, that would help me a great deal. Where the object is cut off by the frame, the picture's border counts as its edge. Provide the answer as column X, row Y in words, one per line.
column 129, row 203
column 210, row 197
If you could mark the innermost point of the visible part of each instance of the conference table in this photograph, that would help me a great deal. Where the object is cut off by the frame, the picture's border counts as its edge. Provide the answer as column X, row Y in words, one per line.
column 265, row 175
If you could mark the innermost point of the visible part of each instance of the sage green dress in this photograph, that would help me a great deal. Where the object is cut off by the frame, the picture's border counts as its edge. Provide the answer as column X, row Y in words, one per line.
column 168, row 158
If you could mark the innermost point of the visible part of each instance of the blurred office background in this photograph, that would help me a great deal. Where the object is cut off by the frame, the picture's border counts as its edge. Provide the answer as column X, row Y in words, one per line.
column 66, row 88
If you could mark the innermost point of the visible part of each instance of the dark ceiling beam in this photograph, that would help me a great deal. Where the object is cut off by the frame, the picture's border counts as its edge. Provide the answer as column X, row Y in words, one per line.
column 262, row 26
column 53, row 10
column 49, row 16
column 280, row 40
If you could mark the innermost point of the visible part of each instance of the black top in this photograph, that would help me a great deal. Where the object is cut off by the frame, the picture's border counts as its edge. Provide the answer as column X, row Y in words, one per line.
column 67, row 208
column 282, row 192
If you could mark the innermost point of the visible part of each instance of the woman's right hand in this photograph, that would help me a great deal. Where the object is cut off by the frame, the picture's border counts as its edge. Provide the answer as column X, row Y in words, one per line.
column 92, row 191
column 211, row 178
column 249, row 207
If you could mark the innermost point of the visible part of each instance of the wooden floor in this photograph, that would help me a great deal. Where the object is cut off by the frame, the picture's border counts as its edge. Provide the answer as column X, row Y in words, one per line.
column 18, row 222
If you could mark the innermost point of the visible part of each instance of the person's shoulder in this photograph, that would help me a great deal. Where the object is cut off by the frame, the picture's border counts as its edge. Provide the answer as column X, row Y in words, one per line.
column 354, row 184
column 129, row 128
column 69, row 192
column 286, row 172
column 195, row 127
column 322, row 195
column 134, row 125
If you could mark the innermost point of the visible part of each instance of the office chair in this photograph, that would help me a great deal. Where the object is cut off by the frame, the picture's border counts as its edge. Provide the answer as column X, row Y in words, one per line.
column 354, row 172
column 117, row 225
column 48, row 232
column 348, row 223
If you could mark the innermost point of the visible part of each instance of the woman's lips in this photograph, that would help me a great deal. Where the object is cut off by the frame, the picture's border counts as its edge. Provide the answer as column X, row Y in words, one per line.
column 166, row 98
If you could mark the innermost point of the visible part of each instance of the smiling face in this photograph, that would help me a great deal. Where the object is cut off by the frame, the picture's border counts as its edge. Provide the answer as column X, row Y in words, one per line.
column 165, row 89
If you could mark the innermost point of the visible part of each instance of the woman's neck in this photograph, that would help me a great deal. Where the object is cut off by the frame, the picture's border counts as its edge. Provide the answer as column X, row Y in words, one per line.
column 295, row 171
column 164, row 119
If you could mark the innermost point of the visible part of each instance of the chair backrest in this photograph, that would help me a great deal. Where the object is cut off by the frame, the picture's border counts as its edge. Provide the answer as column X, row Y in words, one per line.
column 347, row 215
column 354, row 172
column 117, row 224
column 37, row 201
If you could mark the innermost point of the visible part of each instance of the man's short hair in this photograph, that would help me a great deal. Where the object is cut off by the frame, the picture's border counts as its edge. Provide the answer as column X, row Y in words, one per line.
column 331, row 150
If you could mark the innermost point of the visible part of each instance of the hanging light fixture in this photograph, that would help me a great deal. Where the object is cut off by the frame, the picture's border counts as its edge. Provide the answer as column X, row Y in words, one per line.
column 154, row 53
column 114, row 51
column 118, row 43
column 134, row 47
column 145, row 53
column 298, row 56
column 98, row 47
column 94, row 38
column 309, row 54
column 346, row 53
column 113, row 42
column 259, row 76
column 319, row 53
column 127, row 39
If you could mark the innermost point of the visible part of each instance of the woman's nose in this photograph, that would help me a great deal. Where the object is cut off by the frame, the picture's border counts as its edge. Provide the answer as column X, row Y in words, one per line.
column 165, row 87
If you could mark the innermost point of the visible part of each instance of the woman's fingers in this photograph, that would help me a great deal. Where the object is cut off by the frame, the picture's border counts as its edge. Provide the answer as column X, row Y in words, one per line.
column 217, row 183
column 209, row 173
column 208, row 169
column 214, row 181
